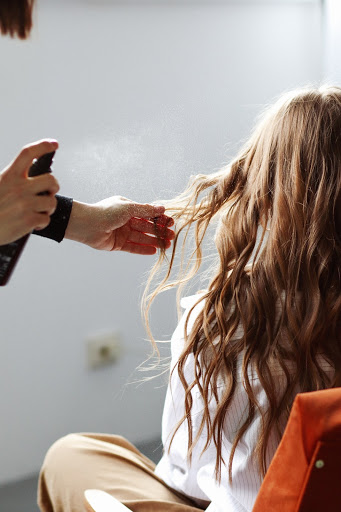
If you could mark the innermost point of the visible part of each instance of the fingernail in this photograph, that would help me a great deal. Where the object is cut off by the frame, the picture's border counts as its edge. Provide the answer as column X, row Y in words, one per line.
column 170, row 221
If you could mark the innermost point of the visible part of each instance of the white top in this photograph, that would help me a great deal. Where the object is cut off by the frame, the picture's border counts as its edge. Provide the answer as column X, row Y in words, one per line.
column 197, row 480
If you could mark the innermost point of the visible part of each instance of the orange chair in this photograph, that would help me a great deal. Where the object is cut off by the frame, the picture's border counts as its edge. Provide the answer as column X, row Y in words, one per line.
column 305, row 473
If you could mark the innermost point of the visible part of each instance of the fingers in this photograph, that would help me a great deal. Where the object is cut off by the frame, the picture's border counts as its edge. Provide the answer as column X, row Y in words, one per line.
column 39, row 221
column 155, row 228
column 163, row 221
column 141, row 238
column 23, row 161
column 45, row 204
column 139, row 241
column 44, row 183
column 138, row 249
column 37, row 214
column 146, row 211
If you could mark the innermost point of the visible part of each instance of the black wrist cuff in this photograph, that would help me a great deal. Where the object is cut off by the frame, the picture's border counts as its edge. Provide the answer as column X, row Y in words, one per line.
column 59, row 220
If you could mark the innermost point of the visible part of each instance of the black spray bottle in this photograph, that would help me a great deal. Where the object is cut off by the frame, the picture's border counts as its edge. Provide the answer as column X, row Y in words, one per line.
column 9, row 253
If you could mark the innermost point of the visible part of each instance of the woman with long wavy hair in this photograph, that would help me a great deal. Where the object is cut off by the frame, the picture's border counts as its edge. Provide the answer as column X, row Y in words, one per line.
column 266, row 327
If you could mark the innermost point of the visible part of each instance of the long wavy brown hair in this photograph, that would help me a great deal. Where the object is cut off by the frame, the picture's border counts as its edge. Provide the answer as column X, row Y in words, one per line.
column 16, row 17
column 282, row 287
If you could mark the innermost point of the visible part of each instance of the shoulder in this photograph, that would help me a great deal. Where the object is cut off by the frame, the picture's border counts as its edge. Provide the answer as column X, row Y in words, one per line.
column 192, row 306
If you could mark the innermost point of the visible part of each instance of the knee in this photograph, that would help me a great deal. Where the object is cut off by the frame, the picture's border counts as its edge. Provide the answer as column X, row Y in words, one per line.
column 59, row 455
column 57, row 488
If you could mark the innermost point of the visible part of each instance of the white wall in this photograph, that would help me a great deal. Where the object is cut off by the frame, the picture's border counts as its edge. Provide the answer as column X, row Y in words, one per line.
column 140, row 97
column 332, row 40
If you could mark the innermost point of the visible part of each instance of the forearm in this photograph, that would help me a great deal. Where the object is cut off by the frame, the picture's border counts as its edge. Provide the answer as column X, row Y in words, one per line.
column 79, row 222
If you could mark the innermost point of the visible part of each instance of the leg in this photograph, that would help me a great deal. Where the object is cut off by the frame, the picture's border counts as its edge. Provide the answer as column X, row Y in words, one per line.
column 110, row 463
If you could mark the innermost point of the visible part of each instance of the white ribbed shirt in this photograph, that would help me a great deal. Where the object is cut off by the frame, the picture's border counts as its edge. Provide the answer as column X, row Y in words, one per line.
column 197, row 479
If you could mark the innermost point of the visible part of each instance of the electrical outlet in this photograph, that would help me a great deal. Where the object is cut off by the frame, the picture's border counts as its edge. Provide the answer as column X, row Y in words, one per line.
column 103, row 349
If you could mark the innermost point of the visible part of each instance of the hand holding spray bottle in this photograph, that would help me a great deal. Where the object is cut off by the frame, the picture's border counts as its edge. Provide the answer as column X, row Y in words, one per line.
column 9, row 253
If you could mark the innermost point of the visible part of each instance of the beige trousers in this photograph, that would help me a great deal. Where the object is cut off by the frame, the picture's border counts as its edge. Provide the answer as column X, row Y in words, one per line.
column 110, row 463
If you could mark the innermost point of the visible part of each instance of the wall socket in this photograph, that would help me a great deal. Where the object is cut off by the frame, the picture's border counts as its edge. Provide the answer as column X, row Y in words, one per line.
column 103, row 349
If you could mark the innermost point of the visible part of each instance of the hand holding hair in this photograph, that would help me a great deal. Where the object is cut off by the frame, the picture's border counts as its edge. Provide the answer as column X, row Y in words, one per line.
column 22, row 209
column 119, row 224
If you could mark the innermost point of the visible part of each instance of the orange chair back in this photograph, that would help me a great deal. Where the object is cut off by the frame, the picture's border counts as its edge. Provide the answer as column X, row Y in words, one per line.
column 305, row 473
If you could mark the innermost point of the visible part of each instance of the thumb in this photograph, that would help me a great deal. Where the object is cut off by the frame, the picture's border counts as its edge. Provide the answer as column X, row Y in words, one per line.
column 146, row 211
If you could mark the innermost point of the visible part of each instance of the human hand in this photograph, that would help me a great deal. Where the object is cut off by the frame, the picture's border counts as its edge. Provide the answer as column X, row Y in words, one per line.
column 119, row 224
column 21, row 208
